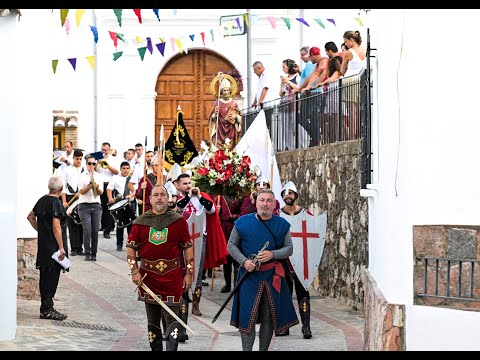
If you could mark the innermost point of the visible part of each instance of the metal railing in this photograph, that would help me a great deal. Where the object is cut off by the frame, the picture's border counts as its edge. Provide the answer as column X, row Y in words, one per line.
column 452, row 278
column 316, row 118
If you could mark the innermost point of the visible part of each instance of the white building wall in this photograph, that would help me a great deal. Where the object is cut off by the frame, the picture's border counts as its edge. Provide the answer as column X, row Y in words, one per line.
column 26, row 121
column 427, row 144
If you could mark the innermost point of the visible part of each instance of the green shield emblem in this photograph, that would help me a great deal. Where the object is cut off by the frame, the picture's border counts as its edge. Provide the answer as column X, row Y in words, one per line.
column 158, row 237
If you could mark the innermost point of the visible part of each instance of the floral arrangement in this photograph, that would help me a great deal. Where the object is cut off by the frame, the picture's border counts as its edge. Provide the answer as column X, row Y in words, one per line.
column 224, row 172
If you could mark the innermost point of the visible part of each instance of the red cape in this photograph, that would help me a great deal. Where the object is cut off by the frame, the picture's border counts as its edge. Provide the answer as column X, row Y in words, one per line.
column 216, row 253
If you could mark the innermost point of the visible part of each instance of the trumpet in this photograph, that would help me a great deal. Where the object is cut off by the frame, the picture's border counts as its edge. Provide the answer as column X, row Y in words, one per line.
column 103, row 163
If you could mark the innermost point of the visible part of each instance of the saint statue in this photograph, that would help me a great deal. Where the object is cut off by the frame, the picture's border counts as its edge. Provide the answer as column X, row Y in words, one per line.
column 225, row 119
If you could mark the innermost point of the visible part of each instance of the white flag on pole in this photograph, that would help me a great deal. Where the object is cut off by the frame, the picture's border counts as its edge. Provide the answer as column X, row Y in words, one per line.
column 257, row 144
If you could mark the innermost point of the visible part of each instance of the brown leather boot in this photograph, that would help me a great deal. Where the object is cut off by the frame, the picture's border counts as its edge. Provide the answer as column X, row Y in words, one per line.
column 196, row 300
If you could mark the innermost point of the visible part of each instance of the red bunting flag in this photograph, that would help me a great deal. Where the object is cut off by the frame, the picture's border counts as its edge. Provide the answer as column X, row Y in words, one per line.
column 113, row 36
column 302, row 20
column 138, row 12
column 202, row 34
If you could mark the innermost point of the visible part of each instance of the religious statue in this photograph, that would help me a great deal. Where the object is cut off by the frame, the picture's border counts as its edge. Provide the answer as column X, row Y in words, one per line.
column 225, row 119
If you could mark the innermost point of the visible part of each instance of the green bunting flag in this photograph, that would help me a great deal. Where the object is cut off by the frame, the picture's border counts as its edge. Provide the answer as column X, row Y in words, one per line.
column 319, row 22
column 287, row 22
column 118, row 14
column 117, row 55
column 211, row 34
column 142, row 51
column 359, row 21
column 54, row 65
column 63, row 15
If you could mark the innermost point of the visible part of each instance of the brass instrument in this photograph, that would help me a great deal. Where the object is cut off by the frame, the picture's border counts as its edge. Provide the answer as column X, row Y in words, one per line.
column 94, row 185
column 103, row 163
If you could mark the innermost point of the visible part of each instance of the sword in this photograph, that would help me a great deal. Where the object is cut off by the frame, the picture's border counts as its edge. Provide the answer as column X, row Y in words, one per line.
column 254, row 259
column 158, row 300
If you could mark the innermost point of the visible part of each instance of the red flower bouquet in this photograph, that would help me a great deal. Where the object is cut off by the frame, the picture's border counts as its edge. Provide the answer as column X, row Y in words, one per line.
column 224, row 172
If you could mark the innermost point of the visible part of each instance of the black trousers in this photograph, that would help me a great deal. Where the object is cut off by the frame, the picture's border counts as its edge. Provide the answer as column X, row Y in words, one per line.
column 227, row 271
column 108, row 222
column 299, row 289
column 48, row 283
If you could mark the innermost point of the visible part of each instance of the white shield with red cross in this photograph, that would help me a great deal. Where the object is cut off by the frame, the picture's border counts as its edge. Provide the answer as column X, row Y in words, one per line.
column 196, row 224
column 308, row 237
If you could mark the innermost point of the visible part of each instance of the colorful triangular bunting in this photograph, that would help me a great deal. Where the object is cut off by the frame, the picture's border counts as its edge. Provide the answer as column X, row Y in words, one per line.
column 319, row 22
column 73, row 62
column 117, row 55
column 118, row 14
column 54, row 65
column 142, row 51
column 91, row 61
column 287, row 22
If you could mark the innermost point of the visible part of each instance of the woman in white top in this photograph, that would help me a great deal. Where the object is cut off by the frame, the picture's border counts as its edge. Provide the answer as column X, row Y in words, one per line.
column 354, row 60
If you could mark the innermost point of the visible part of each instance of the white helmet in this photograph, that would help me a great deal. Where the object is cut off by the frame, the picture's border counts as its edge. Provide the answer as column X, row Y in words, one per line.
column 174, row 172
column 289, row 186
column 171, row 190
column 262, row 179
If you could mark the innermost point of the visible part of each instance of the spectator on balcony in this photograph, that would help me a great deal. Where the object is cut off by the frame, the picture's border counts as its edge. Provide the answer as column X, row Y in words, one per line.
column 264, row 86
column 288, row 83
column 320, row 71
column 332, row 50
column 354, row 61
column 330, row 88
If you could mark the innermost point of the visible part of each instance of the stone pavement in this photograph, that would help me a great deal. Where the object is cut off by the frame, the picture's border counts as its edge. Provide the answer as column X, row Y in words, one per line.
column 104, row 315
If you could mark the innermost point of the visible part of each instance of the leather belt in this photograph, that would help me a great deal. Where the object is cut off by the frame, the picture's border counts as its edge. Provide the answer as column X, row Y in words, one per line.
column 160, row 266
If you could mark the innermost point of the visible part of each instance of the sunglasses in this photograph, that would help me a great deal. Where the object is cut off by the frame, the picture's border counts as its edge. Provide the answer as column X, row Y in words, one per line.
column 89, row 163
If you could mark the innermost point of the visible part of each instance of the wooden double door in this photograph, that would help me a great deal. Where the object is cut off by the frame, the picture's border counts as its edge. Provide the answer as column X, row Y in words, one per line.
column 185, row 82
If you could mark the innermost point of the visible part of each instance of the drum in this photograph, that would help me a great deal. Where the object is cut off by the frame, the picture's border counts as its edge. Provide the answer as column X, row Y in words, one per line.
column 123, row 212
column 72, row 211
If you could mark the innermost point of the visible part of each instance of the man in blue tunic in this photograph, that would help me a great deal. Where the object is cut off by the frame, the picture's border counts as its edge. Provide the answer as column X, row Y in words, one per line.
column 263, row 297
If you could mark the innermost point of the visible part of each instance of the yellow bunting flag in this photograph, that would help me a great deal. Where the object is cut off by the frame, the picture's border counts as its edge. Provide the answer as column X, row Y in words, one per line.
column 78, row 16
column 91, row 61
column 63, row 15
column 138, row 39
column 245, row 18
column 359, row 21
column 179, row 45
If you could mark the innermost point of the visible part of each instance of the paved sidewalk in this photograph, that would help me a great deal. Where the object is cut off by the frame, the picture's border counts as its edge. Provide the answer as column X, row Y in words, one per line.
column 104, row 315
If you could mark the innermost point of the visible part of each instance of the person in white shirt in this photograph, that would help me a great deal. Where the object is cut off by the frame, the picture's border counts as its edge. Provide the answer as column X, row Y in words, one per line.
column 90, row 207
column 67, row 157
column 70, row 192
column 264, row 95
column 108, row 166
column 121, row 186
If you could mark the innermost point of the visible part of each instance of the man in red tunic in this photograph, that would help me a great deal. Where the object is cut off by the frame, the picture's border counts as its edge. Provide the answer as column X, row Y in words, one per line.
column 158, row 238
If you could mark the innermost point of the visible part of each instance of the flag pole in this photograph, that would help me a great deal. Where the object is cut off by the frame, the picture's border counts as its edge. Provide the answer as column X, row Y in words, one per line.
column 144, row 176
column 160, row 157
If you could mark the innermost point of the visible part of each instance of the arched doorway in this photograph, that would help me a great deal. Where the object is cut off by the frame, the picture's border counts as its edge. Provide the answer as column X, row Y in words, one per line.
column 185, row 81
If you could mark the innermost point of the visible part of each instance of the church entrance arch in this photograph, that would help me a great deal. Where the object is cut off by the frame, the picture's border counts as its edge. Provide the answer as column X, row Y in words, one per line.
column 185, row 82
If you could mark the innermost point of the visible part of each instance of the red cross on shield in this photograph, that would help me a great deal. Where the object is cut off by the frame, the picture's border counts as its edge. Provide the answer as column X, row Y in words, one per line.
column 196, row 223
column 308, row 238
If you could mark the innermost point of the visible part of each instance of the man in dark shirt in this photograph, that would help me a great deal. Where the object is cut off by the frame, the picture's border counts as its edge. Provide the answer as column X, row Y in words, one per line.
column 48, row 218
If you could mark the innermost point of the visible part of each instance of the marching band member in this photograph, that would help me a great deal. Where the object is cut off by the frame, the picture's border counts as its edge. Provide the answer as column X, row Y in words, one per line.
column 70, row 191
column 123, row 186
column 90, row 207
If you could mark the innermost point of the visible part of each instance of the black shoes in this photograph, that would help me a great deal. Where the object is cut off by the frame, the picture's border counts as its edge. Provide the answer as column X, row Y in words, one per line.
column 52, row 314
column 226, row 289
column 88, row 257
column 93, row 258
column 119, row 247
column 106, row 235
column 204, row 283
column 76, row 252
column 283, row 333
